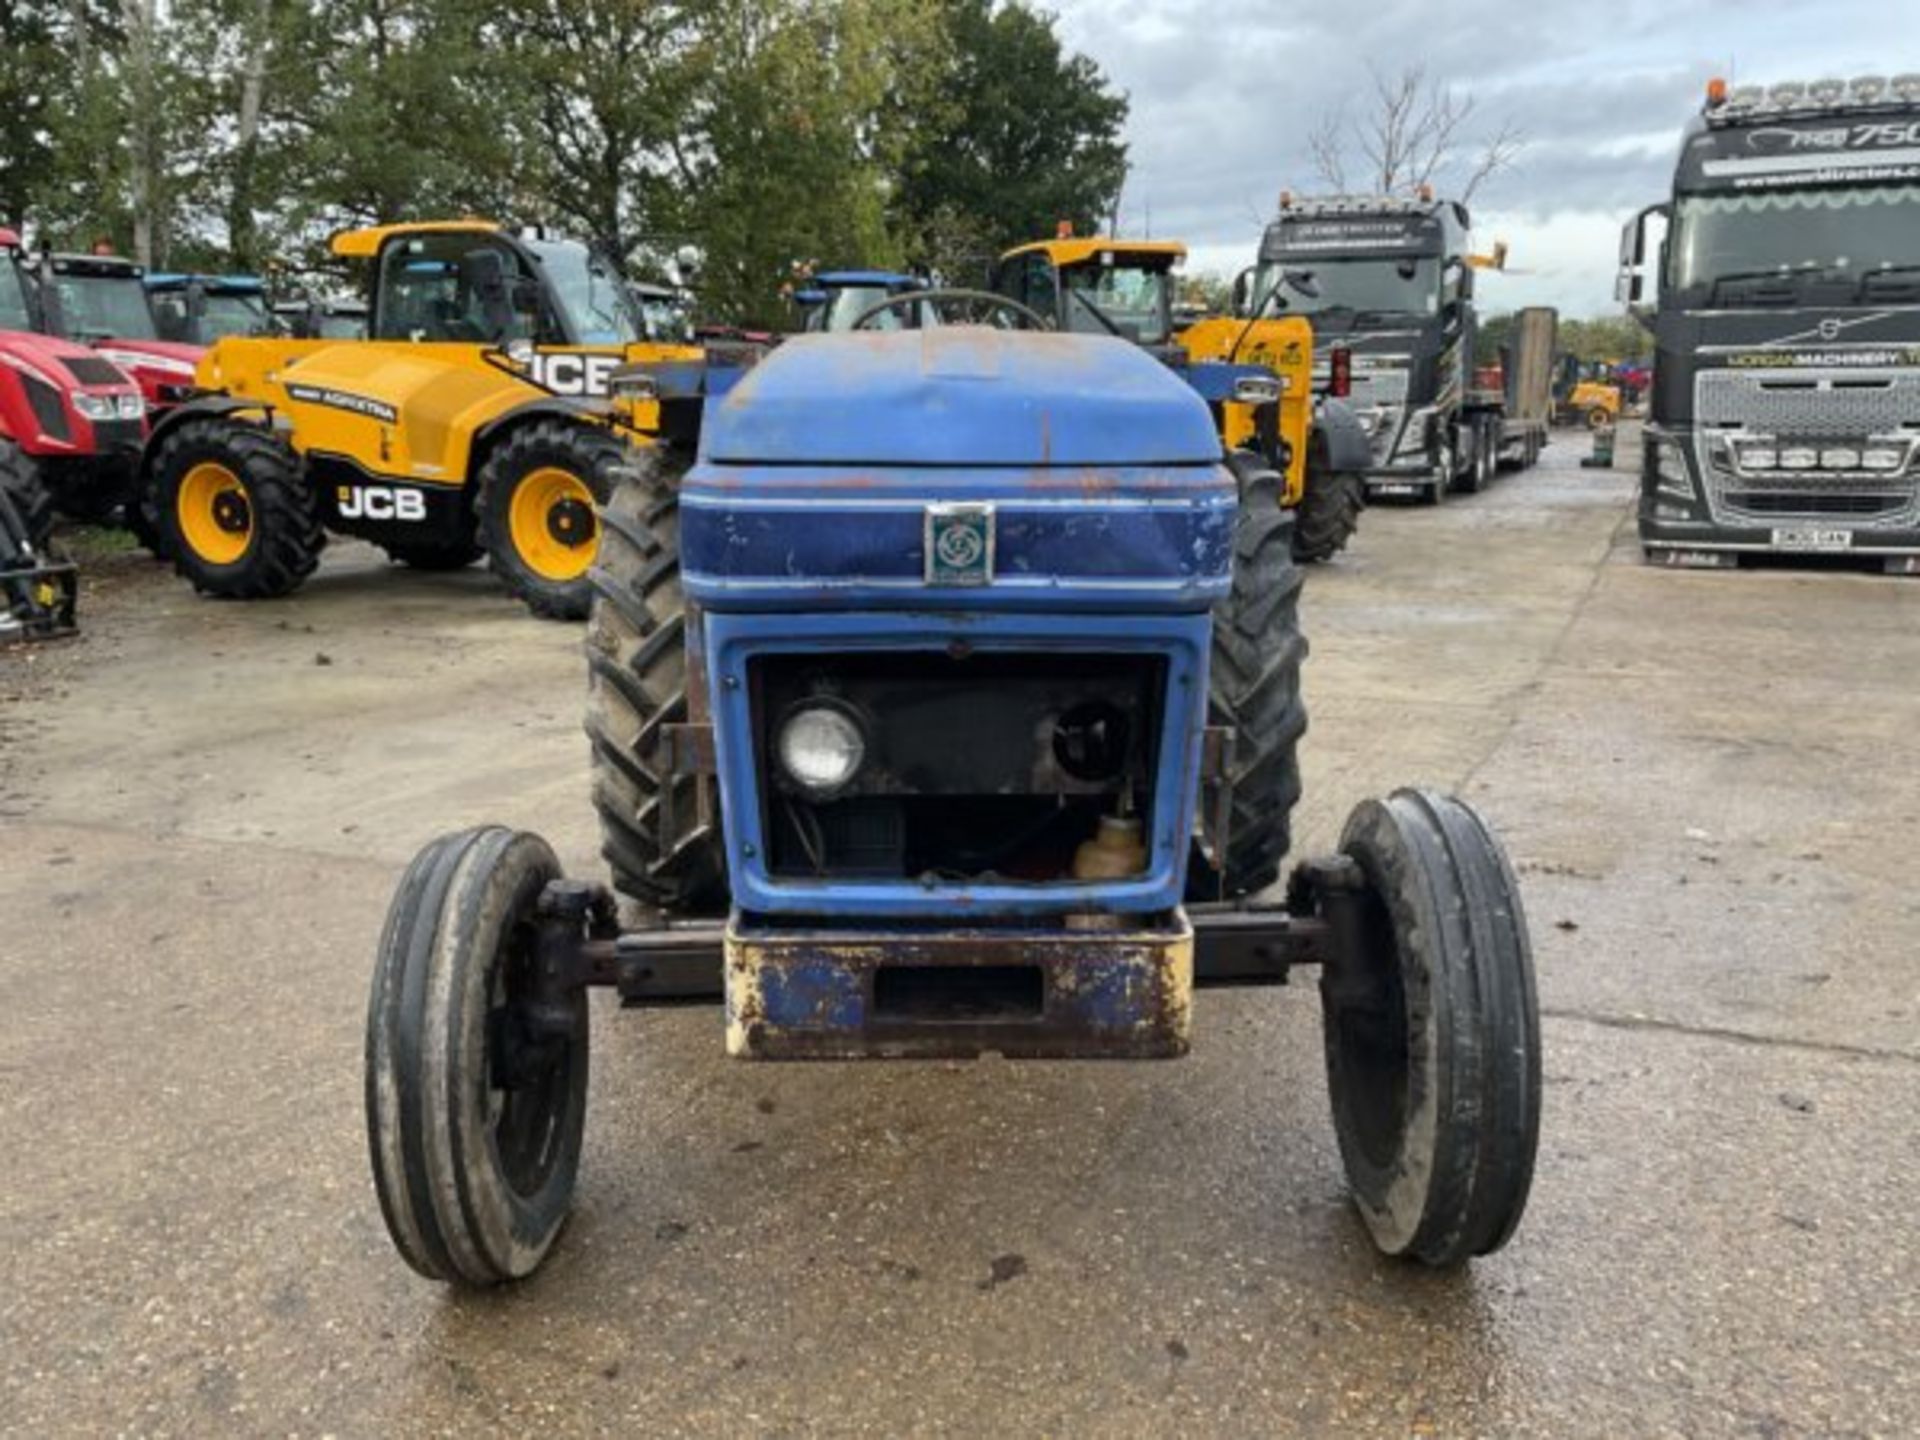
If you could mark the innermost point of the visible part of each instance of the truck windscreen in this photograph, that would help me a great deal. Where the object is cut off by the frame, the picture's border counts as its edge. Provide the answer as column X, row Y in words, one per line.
column 1396, row 285
column 1838, row 232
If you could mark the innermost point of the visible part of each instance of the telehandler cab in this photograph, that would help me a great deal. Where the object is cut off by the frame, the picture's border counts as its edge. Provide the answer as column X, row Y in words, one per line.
column 949, row 705
column 475, row 419
column 1259, row 387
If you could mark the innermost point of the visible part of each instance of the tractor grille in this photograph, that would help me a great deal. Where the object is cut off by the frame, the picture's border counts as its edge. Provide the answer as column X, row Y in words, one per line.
column 47, row 409
column 91, row 370
column 1813, row 404
column 118, row 434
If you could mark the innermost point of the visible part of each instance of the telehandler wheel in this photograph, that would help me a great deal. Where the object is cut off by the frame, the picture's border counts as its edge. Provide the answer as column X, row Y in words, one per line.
column 1329, row 509
column 456, row 556
column 32, row 505
column 237, row 516
column 1255, row 688
column 1433, row 1033
column 476, row 1089
column 1598, row 418
column 538, row 493
column 651, row 831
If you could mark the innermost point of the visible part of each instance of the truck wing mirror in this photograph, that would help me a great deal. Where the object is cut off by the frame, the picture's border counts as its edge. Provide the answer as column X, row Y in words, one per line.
column 1240, row 299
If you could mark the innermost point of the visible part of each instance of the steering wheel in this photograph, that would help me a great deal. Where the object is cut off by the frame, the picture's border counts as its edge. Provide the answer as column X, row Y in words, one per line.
column 975, row 300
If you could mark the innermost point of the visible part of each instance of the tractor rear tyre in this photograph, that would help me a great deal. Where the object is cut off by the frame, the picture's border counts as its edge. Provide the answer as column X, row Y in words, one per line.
column 476, row 1082
column 1433, row 1034
column 538, row 494
column 237, row 515
column 1255, row 689
column 32, row 505
column 662, row 852
column 457, row 556
column 1329, row 509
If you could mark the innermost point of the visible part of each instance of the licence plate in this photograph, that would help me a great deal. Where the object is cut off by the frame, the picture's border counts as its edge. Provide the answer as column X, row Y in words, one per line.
column 1808, row 537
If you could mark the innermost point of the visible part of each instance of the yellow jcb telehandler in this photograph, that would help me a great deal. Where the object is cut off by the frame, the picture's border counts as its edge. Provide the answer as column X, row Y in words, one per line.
column 474, row 419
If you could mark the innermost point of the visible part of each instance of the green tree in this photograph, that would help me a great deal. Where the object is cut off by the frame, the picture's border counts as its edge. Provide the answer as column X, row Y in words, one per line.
column 1029, row 136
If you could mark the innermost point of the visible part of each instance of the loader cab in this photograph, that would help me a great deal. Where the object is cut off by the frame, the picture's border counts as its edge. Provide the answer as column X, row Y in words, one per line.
column 486, row 287
column 1097, row 286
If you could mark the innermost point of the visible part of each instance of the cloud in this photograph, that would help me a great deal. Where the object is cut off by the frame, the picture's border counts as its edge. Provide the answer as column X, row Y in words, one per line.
column 1224, row 94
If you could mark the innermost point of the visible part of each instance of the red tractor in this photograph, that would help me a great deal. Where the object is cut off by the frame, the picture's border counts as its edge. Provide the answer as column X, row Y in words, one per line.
column 101, row 300
column 71, row 427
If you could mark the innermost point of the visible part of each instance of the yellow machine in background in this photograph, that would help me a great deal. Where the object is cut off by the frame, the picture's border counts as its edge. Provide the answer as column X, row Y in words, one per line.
column 475, row 419
column 1107, row 285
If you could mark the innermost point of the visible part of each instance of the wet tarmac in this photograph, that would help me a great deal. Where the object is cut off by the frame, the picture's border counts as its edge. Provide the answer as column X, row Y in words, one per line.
column 1710, row 783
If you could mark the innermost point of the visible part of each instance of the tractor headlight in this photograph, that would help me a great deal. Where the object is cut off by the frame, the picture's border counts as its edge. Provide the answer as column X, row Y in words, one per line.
column 95, row 407
column 1256, row 390
column 821, row 747
column 132, row 406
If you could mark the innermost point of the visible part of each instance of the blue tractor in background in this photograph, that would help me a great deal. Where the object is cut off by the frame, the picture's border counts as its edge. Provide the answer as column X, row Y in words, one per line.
column 834, row 300
column 201, row 309
column 949, row 704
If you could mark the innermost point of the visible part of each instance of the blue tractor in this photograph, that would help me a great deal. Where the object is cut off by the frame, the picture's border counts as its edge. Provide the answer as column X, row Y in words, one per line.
column 949, row 705
column 836, row 299
column 200, row 309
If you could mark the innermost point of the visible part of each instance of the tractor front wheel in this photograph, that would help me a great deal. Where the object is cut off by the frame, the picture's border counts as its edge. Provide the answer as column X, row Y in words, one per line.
column 1433, row 1032
column 476, row 1077
column 236, row 514
column 538, row 494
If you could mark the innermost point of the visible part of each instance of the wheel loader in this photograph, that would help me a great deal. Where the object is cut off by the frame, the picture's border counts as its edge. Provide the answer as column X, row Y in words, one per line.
column 474, row 420
column 950, row 705
column 1256, row 379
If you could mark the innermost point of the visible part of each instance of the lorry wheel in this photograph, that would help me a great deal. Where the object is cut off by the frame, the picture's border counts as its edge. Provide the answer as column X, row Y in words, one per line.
column 237, row 516
column 1329, row 510
column 1255, row 689
column 456, row 556
column 32, row 505
column 651, row 831
column 538, row 493
column 1433, row 1035
column 476, row 1096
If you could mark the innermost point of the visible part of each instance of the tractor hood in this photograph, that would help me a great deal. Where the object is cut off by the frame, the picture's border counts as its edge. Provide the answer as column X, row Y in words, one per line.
column 960, row 396
column 164, row 368
column 62, row 362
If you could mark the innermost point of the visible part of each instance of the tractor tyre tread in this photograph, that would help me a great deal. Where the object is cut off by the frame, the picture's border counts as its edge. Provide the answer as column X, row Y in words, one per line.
column 1328, row 512
column 595, row 455
column 288, row 536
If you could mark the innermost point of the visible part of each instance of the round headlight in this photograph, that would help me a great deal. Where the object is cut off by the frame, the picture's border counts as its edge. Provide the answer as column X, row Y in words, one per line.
column 821, row 748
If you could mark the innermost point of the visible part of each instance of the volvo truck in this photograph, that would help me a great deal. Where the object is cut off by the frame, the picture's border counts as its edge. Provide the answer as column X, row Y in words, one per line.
column 1781, row 282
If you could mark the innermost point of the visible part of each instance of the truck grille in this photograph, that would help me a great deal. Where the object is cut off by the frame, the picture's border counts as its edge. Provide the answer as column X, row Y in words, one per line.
column 1809, row 409
column 1813, row 404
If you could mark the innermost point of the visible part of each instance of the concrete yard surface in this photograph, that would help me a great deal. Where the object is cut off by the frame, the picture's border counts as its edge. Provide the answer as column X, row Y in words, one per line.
column 1710, row 783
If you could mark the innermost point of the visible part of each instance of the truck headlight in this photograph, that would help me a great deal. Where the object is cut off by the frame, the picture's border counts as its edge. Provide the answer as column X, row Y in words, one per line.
column 1753, row 458
column 1840, row 458
column 1670, row 468
column 1880, row 458
column 821, row 747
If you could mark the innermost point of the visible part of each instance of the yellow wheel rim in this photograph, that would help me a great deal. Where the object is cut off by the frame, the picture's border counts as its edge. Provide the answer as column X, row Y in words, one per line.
column 551, row 522
column 215, row 512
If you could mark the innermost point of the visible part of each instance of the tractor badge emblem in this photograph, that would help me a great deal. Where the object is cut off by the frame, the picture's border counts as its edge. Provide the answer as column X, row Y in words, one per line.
column 959, row 544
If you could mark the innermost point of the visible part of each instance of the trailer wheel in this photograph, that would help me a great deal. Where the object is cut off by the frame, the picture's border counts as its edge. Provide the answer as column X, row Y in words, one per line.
column 236, row 513
column 1433, row 1033
column 662, row 852
column 1255, row 689
column 538, row 493
column 1329, row 509
column 476, row 1095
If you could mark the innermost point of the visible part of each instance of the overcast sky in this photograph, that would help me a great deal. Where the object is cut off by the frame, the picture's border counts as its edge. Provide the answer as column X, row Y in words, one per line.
column 1224, row 92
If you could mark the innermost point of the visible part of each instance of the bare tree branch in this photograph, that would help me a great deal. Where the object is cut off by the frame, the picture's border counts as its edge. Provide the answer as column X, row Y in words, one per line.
column 1415, row 130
